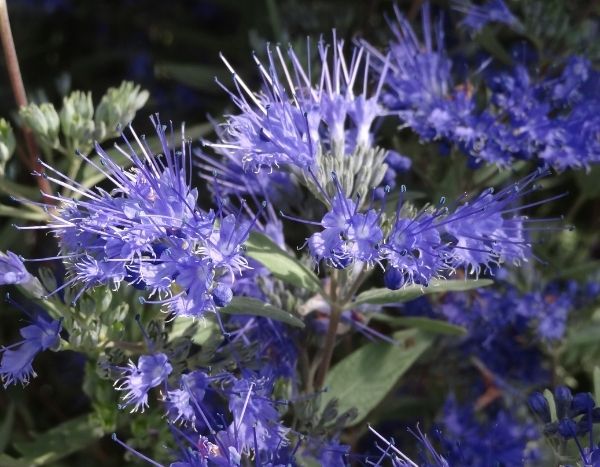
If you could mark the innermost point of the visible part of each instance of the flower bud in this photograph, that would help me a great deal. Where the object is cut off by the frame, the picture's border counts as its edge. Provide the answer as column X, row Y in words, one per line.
column 7, row 144
column 539, row 406
column 43, row 121
column 563, row 398
column 118, row 108
column 76, row 119
column 583, row 403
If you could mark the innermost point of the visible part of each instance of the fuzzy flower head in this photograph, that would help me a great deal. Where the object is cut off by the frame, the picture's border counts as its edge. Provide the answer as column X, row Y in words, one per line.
column 183, row 401
column 298, row 117
column 524, row 115
column 347, row 235
column 476, row 236
column 137, row 380
column 149, row 231
column 12, row 269
column 16, row 363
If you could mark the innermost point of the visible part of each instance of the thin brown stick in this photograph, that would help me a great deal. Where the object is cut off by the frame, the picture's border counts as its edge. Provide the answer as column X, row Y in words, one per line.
column 29, row 158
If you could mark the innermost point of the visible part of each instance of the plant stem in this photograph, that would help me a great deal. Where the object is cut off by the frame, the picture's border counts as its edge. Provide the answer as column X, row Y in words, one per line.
column 30, row 159
column 334, row 320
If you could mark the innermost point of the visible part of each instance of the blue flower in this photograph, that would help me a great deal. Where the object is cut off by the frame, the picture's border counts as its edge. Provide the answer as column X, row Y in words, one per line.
column 495, row 438
column 295, row 119
column 255, row 418
column 16, row 364
column 348, row 235
column 183, row 402
column 476, row 236
column 576, row 415
column 149, row 231
column 12, row 269
column 519, row 115
column 477, row 16
column 137, row 380
column 430, row 457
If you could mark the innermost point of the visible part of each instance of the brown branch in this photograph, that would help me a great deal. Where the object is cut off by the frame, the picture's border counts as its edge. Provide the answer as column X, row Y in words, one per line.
column 29, row 158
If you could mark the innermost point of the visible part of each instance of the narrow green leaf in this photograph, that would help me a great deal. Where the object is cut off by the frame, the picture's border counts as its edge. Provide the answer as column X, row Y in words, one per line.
column 435, row 326
column 60, row 441
column 363, row 379
column 383, row 296
column 281, row 264
column 584, row 334
column 588, row 182
column 12, row 188
column 551, row 403
column 199, row 331
column 597, row 384
column 21, row 213
column 253, row 307
column 8, row 461
column 6, row 427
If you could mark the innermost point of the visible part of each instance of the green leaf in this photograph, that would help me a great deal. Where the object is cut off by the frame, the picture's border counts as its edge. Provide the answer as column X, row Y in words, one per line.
column 281, row 264
column 20, row 212
column 8, row 461
column 597, row 383
column 434, row 326
column 588, row 182
column 199, row 331
column 363, row 379
column 551, row 403
column 253, row 307
column 60, row 441
column 20, row 191
column 384, row 296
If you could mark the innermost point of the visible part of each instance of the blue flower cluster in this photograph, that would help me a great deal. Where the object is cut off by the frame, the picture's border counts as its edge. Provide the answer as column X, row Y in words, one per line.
column 476, row 236
column 298, row 117
column 551, row 119
column 572, row 416
column 308, row 148
column 149, row 231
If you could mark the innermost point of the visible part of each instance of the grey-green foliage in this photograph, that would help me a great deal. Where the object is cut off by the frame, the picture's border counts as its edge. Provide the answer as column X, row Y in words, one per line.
column 44, row 122
column 81, row 124
column 93, row 321
column 7, row 144
column 363, row 379
column 358, row 173
column 76, row 120
column 117, row 108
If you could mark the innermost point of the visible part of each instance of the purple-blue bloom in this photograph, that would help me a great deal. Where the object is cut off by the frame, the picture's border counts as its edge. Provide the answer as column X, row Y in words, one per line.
column 347, row 234
column 576, row 415
column 149, row 231
column 296, row 117
column 12, row 269
column 476, row 236
column 255, row 422
column 477, row 16
column 553, row 119
column 182, row 402
column 493, row 438
column 16, row 363
column 137, row 380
